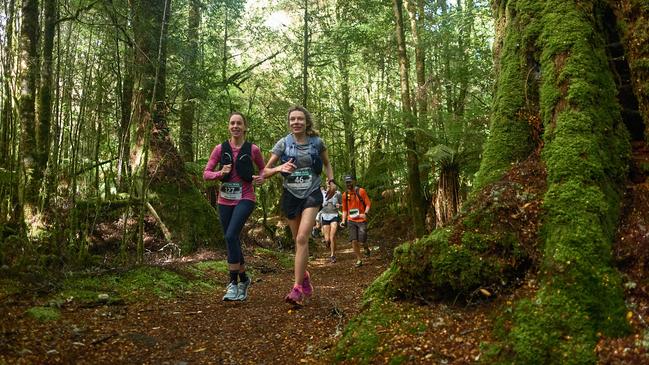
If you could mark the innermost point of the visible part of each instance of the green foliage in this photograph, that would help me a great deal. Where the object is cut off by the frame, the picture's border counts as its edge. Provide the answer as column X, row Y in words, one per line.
column 44, row 314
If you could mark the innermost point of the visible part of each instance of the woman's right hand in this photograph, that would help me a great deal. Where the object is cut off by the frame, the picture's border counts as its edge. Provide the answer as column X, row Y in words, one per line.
column 287, row 167
column 226, row 169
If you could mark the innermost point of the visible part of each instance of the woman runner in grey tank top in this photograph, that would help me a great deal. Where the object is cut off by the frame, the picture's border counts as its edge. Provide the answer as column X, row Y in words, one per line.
column 301, row 198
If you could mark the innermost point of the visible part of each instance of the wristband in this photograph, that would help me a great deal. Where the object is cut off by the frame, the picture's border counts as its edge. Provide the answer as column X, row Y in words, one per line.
column 330, row 181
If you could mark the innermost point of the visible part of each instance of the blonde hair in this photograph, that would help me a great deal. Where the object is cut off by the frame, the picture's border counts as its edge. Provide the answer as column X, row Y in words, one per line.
column 307, row 117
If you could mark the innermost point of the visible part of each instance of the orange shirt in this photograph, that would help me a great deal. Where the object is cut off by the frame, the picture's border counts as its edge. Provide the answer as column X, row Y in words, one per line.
column 353, row 206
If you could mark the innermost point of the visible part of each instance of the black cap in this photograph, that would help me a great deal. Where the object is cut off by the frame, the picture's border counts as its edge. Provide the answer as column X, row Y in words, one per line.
column 349, row 178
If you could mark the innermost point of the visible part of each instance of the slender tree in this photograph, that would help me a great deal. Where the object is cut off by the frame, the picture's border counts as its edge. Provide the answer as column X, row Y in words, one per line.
column 188, row 111
column 28, row 71
column 305, row 55
column 414, row 181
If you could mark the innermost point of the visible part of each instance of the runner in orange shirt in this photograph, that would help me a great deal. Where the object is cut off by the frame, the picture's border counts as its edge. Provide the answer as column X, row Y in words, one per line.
column 356, row 206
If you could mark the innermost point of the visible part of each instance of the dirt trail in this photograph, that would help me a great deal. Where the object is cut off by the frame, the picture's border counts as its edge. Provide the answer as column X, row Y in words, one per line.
column 200, row 329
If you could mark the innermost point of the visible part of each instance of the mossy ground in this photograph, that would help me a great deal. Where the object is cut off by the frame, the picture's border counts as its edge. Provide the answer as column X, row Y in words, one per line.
column 137, row 284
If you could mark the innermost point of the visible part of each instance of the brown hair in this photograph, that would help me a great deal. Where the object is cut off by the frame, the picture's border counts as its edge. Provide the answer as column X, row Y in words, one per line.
column 308, row 118
column 245, row 121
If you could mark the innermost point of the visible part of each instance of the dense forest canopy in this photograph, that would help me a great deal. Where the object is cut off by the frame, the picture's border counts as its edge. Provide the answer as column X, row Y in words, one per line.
column 75, row 74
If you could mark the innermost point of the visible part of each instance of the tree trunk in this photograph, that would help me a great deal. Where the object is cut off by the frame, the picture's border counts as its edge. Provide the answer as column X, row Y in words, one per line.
column 305, row 56
column 7, row 103
column 7, row 126
column 414, row 183
column 45, row 95
column 187, row 112
column 180, row 205
column 28, row 71
column 447, row 199
column 553, row 78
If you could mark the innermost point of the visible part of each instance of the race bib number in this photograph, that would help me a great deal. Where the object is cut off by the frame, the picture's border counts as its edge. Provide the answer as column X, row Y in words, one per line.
column 300, row 179
column 231, row 190
column 353, row 213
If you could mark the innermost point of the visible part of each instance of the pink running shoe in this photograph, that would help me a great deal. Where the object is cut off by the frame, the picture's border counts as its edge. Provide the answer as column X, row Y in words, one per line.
column 295, row 296
column 307, row 288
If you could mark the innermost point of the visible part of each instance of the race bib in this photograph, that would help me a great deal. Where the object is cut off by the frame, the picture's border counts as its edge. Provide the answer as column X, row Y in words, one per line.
column 300, row 179
column 231, row 190
column 353, row 213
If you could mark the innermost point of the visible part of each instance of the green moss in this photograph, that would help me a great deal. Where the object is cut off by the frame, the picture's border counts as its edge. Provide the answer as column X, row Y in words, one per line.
column 190, row 218
column 214, row 266
column 286, row 260
column 44, row 313
column 510, row 134
column 449, row 270
column 367, row 334
column 129, row 286
column 8, row 287
column 586, row 152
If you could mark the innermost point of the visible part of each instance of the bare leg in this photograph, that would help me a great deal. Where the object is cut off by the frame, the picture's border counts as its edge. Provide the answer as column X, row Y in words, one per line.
column 301, row 229
column 332, row 237
column 326, row 232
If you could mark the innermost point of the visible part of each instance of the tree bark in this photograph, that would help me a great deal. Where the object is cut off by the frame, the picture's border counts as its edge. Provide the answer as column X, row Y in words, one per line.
column 447, row 199
column 7, row 104
column 414, row 181
column 305, row 56
column 188, row 110
column 28, row 73
column 8, row 192
column 44, row 125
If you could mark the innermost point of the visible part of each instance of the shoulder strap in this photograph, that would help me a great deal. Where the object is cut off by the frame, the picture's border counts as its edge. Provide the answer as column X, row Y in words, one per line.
column 289, row 145
column 246, row 148
column 226, row 149
column 356, row 191
column 226, row 157
column 314, row 144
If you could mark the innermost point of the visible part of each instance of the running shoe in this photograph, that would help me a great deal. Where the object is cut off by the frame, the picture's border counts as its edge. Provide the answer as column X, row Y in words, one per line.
column 359, row 263
column 243, row 289
column 231, row 292
column 307, row 288
column 367, row 252
column 332, row 259
column 295, row 296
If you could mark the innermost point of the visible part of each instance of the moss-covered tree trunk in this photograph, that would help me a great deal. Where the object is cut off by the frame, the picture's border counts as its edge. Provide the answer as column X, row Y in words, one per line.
column 555, row 114
column 188, row 216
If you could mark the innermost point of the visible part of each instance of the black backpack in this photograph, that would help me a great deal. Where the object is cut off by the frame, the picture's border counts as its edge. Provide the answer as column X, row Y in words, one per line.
column 243, row 164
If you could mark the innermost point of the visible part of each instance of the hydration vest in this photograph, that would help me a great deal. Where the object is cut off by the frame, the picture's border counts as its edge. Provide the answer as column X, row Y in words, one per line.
column 290, row 152
column 243, row 164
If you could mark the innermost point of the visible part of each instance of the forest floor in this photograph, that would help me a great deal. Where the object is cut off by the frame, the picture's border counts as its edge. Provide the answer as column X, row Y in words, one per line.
column 199, row 328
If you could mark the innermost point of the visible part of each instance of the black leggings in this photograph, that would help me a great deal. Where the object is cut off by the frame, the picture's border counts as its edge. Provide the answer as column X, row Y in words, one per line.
column 233, row 217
